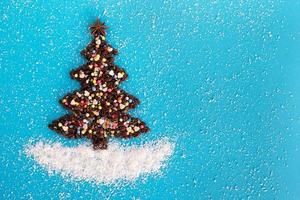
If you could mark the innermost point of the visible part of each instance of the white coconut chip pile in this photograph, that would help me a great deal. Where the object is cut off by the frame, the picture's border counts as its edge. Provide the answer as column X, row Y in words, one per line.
column 102, row 166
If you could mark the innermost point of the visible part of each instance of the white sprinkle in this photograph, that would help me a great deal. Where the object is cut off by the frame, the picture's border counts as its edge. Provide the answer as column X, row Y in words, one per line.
column 111, row 72
column 103, row 166
column 73, row 102
column 81, row 75
column 65, row 128
column 136, row 128
column 98, row 42
column 109, row 49
column 86, row 93
column 129, row 130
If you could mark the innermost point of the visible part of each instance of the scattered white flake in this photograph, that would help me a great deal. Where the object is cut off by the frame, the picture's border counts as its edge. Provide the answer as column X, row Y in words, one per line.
column 118, row 162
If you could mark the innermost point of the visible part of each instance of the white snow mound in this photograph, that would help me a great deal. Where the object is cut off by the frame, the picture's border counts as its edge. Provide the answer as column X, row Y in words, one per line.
column 102, row 166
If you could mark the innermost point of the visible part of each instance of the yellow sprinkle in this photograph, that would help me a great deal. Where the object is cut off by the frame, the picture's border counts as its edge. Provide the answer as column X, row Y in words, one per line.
column 120, row 75
column 122, row 106
column 97, row 57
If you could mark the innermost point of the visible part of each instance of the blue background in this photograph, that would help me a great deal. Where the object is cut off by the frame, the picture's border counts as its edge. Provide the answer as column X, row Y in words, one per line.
column 221, row 78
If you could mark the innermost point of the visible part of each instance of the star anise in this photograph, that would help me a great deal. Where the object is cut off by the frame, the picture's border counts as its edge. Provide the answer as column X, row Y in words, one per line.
column 98, row 27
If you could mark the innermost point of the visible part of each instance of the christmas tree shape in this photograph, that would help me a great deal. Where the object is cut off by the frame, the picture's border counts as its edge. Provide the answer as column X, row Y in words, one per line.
column 99, row 110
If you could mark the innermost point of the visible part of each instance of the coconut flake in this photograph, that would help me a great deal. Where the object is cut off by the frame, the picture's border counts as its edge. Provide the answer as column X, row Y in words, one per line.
column 103, row 166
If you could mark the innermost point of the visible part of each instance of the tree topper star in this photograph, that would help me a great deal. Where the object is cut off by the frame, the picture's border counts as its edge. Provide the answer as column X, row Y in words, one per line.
column 98, row 27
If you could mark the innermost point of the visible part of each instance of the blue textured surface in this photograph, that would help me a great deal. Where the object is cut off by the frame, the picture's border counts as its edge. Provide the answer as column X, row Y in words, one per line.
column 220, row 77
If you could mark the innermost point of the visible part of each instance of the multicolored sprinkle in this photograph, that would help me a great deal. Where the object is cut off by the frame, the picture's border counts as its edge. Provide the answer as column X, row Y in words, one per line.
column 99, row 110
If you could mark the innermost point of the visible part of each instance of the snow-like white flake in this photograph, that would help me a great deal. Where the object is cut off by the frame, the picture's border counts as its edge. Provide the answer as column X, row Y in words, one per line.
column 102, row 166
